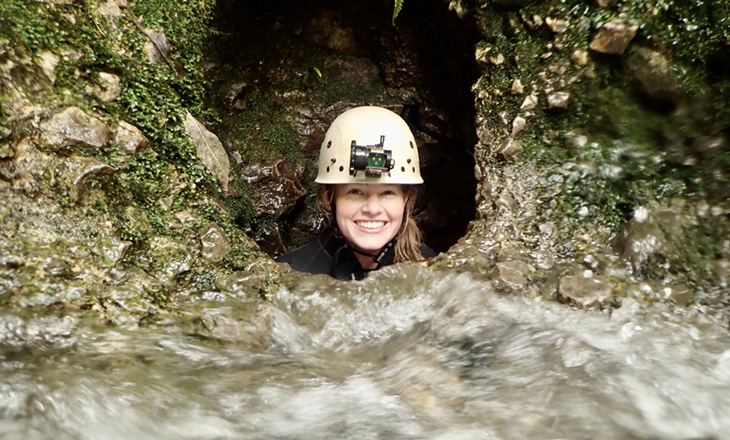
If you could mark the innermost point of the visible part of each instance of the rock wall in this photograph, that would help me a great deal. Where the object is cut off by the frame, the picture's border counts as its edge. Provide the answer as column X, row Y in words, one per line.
column 109, row 178
column 132, row 167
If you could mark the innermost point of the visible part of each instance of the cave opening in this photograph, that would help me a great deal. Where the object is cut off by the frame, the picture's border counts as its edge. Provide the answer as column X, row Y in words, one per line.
column 278, row 73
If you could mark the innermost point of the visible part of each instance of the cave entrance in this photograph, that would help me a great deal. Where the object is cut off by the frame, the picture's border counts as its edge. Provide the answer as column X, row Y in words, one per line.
column 280, row 72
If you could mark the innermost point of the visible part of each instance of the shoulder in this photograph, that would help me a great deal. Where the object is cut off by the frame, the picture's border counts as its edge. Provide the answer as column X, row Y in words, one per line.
column 310, row 258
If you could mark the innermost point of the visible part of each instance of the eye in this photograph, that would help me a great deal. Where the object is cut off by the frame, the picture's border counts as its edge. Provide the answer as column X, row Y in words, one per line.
column 354, row 191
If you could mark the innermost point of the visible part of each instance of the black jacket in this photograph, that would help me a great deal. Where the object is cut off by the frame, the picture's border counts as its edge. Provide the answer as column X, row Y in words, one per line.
column 332, row 256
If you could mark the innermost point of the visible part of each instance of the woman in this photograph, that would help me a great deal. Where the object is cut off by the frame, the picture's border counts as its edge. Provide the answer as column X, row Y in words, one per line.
column 368, row 172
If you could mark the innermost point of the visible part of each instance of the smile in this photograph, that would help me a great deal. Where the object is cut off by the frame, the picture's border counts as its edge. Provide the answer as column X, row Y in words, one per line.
column 370, row 225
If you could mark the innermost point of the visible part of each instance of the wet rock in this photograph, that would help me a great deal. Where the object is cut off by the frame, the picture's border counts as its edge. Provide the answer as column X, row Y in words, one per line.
column 485, row 135
column 434, row 121
column 242, row 284
column 214, row 244
column 517, row 88
column 342, row 39
column 506, row 202
column 530, row 102
column 557, row 25
column 613, row 37
column 87, row 170
column 249, row 324
column 109, row 9
column 354, row 70
column 653, row 71
column 580, row 57
column 585, row 292
column 558, row 100
column 510, row 148
column 709, row 145
column 603, row 4
column 48, row 62
column 277, row 187
column 130, row 138
column 109, row 250
column 157, row 47
column 269, row 239
column 135, row 223
column 110, row 87
column 169, row 258
column 510, row 275
column 721, row 271
column 72, row 127
column 518, row 126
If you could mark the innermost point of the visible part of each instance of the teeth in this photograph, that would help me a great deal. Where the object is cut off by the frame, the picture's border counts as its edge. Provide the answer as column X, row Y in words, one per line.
column 371, row 225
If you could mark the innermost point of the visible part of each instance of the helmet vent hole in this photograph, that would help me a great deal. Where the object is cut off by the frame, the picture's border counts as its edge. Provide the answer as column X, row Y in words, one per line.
column 414, row 169
column 411, row 142
column 328, row 169
column 409, row 160
column 403, row 169
column 342, row 168
column 334, row 159
column 329, row 144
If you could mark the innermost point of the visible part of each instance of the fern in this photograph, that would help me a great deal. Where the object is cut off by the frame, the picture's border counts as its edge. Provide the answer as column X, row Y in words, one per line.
column 396, row 9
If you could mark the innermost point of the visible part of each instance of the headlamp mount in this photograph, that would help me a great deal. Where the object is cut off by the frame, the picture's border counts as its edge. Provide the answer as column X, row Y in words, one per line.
column 373, row 159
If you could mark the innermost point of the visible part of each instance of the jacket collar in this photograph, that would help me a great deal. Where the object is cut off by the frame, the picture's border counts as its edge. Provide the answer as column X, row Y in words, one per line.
column 345, row 265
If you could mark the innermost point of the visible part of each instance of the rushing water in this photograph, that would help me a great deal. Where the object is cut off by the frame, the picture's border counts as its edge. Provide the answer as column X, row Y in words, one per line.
column 407, row 353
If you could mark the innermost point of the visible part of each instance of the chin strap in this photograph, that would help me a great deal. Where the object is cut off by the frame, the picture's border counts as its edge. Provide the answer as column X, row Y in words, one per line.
column 378, row 258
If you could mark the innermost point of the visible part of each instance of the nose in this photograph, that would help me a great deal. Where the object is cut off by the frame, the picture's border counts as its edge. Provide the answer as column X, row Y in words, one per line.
column 372, row 205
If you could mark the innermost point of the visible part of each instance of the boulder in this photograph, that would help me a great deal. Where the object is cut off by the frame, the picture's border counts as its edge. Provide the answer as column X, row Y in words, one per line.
column 74, row 128
column 130, row 138
column 510, row 275
column 277, row 187
column 214, row 244
column 585, row 292
column 653, row 71
column 510, row 148
column 613, row 37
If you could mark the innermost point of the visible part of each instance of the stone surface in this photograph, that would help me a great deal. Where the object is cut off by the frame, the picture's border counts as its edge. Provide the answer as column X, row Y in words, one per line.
column 74, row 128
column 510, row 275
column 558, row 100
column 276, row 185
column 557, row 25
column 242, row 284
column 169, row 258
column 585, row 292
column 214, row 243
column 580, row 57
column 518, row 126
column 653, row 71
column 130, row 138
column 48, row 62
column 510, row 148
column 530, row 102
column 86, row 170
column 613, row 37
column 109, row 88
column 249, row 324
column 517, row 88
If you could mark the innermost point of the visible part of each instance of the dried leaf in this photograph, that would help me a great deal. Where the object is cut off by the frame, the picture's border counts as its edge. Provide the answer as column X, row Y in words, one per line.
column 209, row 149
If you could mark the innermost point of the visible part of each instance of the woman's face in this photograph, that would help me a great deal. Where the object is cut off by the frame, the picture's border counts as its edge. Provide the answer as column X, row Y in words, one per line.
column 369, row 215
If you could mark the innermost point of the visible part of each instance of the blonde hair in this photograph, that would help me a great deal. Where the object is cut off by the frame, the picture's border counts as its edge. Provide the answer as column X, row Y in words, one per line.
column 408, row 246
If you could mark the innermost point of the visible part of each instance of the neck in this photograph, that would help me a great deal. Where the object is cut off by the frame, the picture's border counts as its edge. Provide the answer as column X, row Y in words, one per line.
column 366, row 261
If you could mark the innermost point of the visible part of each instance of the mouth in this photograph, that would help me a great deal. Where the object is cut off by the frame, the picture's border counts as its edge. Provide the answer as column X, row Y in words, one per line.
column 370, row 225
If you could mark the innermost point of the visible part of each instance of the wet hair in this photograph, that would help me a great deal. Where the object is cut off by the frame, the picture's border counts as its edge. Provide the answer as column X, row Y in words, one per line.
column 408, row 246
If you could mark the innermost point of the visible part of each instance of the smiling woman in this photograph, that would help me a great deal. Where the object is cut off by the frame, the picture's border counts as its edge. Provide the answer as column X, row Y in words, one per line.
column 368, row 175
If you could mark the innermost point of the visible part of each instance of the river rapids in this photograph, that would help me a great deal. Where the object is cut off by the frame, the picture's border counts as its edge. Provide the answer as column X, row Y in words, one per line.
column 409, row 353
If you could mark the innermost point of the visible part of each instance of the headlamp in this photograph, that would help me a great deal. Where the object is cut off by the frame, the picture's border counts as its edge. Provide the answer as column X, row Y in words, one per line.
column 372, row 159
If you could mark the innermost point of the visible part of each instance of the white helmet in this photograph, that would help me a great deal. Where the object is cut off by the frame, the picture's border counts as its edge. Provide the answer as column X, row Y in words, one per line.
column 369, row 145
